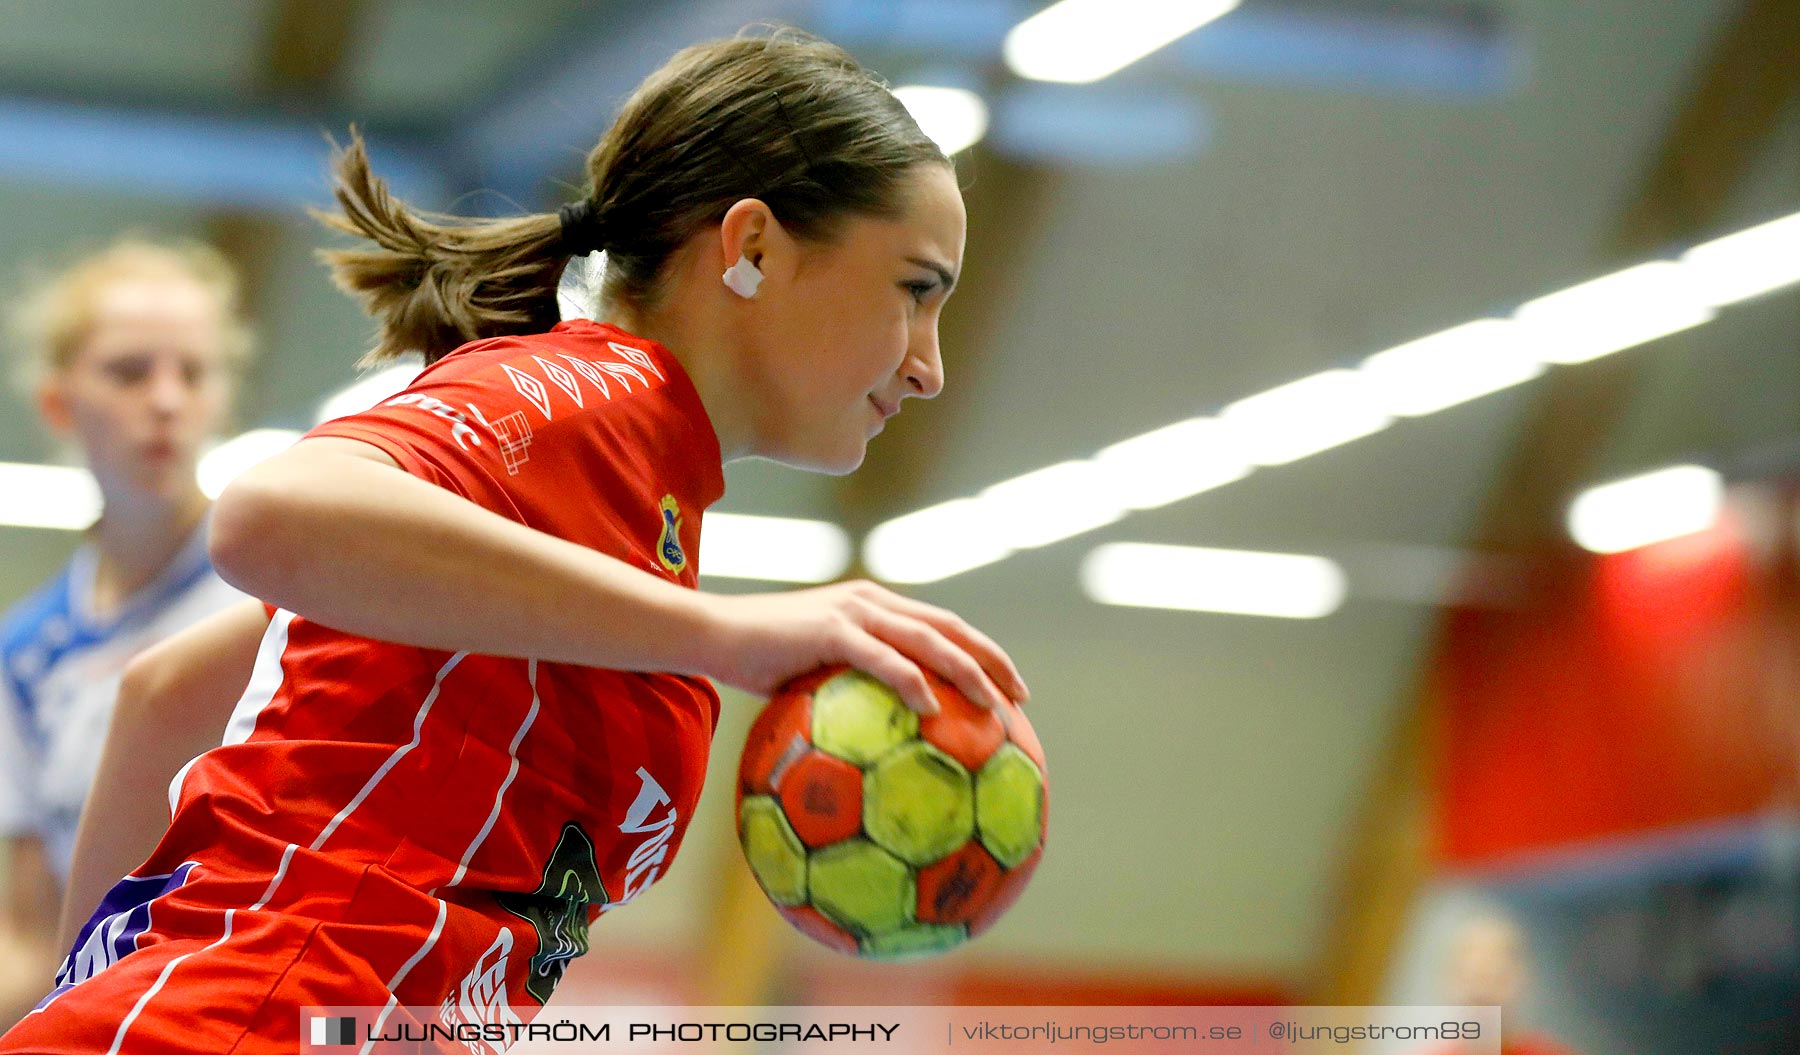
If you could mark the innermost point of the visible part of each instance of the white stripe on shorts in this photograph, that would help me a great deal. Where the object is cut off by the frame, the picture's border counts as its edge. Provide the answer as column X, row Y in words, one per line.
column 437, row 929
column 512, row 752
column 168, row 968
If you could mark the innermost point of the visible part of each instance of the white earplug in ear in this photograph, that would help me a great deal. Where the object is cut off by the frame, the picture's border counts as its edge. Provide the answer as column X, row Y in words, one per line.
column 743, row 277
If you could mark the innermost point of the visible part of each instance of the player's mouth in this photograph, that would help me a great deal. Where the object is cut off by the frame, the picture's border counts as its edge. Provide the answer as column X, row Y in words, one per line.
column 886, row 410
column 158, row 451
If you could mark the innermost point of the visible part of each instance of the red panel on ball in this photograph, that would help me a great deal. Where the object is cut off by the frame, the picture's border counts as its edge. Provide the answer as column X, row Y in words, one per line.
column 1005, row 893
column 1018, row 728
column 771, row 738
column 822, row 797
column 806, row 683
column 812, row 923
column 954, row 889
column 963, row 730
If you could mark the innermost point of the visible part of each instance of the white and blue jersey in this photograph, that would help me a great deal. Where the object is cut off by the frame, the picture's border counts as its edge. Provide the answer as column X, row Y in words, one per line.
column 60, row 664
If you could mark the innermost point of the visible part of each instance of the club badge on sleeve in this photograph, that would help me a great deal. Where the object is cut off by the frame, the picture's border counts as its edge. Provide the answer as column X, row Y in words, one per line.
column 668, row 548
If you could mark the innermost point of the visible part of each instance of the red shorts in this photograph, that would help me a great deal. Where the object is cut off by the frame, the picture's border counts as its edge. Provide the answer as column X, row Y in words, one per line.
column 191, row 977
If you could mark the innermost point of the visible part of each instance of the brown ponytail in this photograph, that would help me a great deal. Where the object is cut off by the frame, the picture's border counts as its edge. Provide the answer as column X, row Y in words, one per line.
column 783, row 117
column 437, row 282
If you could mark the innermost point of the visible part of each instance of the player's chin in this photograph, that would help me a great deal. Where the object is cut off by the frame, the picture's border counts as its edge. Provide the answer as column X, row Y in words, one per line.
column 835, row 459
column 163, row 478
column 845, row 462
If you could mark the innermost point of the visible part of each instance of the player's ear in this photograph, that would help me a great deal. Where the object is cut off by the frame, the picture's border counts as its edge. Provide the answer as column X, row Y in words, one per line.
column 741, row 231
column 52, row 399
column 750, row 230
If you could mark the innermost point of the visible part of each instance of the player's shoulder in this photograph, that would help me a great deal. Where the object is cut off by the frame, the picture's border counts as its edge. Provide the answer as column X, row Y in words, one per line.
column 45, row 612
column 580, row 338
column 603, row 355
column 34, row 631
column 579, row 366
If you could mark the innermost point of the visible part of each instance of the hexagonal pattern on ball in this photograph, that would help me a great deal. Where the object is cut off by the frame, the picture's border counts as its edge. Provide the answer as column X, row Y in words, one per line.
column 859, row 719
column 775, row 853
column 1009, row 805
column 955, row 889
column 861, row 887
column 1012, row 884
column 918, row 803
column 822, row 798
column 812, row 923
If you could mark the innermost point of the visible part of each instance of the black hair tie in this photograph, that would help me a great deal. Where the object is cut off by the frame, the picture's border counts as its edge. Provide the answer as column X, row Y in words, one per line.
column 582, row 232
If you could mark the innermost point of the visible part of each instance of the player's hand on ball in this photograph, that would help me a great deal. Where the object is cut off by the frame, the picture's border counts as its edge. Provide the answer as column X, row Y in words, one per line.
column 757, row 642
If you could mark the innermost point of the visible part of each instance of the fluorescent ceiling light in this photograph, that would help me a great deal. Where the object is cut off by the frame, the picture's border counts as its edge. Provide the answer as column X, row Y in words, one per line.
column 1305, row 417
column 48, row 496
column 1649, row 508
column 1190, row 578
column 933, row 543
column 954, row 118
column 1171, row 463
column 1079, row 41
column 368, row 390
column 223, row 463
column 1048, row 504
column 1461, row 363
column 1316, row 413
column 1747, row 264
column 1612, row 313
column 776, row 549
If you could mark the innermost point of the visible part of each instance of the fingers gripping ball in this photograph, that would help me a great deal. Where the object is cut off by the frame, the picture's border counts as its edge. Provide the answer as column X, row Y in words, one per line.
column 885, row 834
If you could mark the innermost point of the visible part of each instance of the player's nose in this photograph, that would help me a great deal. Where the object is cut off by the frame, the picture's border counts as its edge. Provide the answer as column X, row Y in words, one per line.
column 169, row 391
column 924, row 368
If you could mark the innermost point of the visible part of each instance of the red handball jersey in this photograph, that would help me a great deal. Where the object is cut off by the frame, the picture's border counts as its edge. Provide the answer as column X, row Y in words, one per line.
column 392, row 825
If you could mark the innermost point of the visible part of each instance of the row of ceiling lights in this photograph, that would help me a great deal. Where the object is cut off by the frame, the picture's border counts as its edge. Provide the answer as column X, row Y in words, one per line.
column 1328, row 409
column 1277, row 427
column 1080, row 41
column 1072, row 42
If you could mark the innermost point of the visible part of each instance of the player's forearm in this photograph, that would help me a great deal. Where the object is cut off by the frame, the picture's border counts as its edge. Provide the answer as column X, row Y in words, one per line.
column 366, row 548
column 27, row 973
column 126, row 812
column 173, row 703
column 27, row 953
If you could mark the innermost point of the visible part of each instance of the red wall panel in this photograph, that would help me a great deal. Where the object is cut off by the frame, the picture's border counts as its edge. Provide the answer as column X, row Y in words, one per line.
column 1636, row 694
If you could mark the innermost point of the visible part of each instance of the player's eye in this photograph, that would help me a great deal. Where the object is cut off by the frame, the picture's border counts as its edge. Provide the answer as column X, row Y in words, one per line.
column 130, row 370
column 919, row 290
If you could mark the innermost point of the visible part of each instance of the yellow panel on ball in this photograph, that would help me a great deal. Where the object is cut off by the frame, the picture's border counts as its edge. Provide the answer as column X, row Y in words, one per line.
column 918, row 939
column 775, row 853
column 918, row 803
column 861, row 887
column 859, row 719
column 1009, row 805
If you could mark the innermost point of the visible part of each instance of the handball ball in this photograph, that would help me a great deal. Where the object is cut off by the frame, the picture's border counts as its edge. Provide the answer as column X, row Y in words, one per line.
column 884, row 833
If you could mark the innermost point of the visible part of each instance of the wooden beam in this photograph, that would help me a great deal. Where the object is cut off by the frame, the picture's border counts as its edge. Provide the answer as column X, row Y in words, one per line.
column 305, row 48
column 1387, row 863
column 300, row 65
column 1751, row 75
column 740, row 960
column 1735, row 104
column 245, row 238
